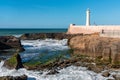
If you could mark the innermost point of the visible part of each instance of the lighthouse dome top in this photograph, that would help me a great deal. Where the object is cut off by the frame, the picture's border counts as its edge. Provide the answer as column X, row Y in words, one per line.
column 88, row 9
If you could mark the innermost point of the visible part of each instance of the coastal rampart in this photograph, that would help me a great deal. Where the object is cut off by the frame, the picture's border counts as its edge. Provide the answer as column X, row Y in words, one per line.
column 104, row 30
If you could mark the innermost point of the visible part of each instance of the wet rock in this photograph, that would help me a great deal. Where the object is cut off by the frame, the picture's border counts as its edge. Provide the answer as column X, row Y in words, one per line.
column 110, row 79
column 23, row 77
column 117, row 76
column 52, row 72
column 78, row 63
column 59, row 36
column 14, row 62
column 106, row 74
column 19, row 62
column 94, row 68
column 10, row 42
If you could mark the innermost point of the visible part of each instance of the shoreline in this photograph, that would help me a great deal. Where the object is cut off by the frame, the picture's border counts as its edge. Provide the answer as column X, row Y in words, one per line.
column 77, row 60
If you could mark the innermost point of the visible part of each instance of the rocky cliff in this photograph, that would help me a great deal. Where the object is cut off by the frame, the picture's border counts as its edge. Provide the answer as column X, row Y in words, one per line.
column 107, row 49
column 10, row 42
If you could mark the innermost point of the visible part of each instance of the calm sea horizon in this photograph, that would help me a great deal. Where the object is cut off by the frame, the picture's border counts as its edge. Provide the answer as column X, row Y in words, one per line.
column 20, row 31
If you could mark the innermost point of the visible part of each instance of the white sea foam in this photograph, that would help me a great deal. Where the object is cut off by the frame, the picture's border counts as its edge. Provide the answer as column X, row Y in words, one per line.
column 49, row 44
column 17, row 35
column 69, row 73
column 32, row 50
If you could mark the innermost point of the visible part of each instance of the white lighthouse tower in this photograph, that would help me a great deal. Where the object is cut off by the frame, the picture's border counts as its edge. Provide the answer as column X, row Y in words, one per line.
column 88, row 17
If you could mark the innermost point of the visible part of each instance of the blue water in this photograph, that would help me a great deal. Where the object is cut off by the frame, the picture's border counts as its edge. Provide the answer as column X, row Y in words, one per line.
column 44, row 50
column 6, row 32
column 39, row 49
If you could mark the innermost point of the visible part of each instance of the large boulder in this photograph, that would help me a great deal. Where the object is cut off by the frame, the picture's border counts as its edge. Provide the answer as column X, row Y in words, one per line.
column 108, row 49
column 14, row 62
column 10, row 42
column 106, row 74
column 116, row 76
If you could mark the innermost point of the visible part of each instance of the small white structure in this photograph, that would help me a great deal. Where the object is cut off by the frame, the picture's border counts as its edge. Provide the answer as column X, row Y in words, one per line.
column 88, row 17
column 104, row 30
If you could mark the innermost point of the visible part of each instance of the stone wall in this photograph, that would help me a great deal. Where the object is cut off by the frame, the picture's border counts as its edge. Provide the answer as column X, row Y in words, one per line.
column 104, row 30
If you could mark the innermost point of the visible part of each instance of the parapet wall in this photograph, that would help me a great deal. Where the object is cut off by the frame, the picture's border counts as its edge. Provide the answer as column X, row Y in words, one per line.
column 104, row 30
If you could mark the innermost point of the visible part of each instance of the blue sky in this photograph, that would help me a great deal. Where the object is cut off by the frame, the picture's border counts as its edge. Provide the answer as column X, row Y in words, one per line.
column 57, row 13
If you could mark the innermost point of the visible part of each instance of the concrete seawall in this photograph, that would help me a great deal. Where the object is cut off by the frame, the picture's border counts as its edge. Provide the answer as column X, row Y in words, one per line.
column 104, row 30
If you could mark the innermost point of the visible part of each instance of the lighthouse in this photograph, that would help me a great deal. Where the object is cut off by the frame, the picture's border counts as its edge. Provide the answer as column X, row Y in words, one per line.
column 88, row 17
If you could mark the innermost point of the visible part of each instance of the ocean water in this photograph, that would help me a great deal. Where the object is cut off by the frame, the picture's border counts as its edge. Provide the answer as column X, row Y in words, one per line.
column 43, row 50
column 50, row 47
column 69, row 73
column 18, row 32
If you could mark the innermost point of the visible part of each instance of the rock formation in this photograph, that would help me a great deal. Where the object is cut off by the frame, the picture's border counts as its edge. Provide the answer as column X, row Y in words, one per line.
column 59, row 36
column 19, row 62
column 10, row 42
column 23, row 77
column 108, row 49
column 14, row 62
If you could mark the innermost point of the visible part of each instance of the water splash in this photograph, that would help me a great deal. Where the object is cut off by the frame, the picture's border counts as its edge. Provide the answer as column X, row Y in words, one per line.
column 1, row 64
column 69, row 73
column 34, row 48
column 44, row 49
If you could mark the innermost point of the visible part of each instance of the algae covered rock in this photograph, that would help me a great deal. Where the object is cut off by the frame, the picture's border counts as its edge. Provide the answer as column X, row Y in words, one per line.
column 14, row 62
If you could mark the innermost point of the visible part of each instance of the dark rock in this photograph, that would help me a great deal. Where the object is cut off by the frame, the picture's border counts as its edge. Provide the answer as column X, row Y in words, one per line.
column 14, row 62
column 106, row 74
column 94, row 68
column 78, row 63
column 52, row 72
column 10, row 42
column 59, row 36
column 23, row 77
column 19, row 62
column 117, row 76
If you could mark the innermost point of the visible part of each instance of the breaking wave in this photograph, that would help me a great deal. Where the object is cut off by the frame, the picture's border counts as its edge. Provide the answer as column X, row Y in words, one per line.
column 49, row 47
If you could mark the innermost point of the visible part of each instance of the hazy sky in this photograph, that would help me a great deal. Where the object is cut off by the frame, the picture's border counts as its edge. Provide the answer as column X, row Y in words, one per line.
column 56, row 13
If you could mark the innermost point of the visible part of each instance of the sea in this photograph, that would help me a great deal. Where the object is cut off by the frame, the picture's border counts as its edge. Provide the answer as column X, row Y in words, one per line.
column 44, row 50
column 19, row 32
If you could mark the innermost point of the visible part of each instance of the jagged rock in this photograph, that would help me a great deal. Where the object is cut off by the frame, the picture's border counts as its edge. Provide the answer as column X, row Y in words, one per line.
column 106, row 74
column 52, row 72
column 94, row 68
column 59, row 36
column 19, row 62
column 117, row 76
column 10, row 42
column 14, row 62
column 108, row 49
column 110, row 79
column 23, row 77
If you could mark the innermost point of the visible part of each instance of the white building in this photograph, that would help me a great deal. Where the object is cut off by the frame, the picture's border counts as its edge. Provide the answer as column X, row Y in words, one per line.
column 104, row 30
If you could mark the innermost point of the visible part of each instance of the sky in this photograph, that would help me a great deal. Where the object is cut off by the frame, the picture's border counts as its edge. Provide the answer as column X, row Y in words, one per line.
column 57, row 13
